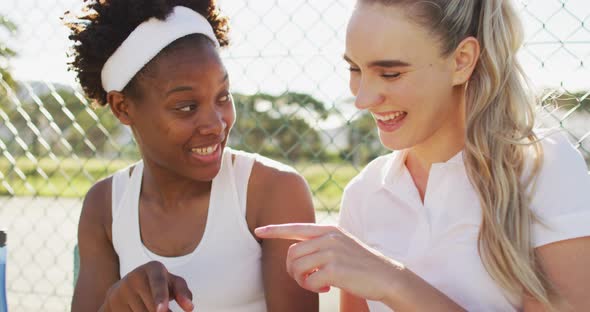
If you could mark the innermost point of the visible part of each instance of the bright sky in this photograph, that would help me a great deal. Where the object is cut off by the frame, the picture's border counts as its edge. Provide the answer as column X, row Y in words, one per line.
column 298, row 44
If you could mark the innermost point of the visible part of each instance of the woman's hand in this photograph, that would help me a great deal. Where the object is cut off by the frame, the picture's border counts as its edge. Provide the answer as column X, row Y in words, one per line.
column 328, row 256
column 149, row 287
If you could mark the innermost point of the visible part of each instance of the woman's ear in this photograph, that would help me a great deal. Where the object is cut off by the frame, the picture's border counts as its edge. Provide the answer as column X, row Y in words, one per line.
column 465, row 58
column 119, row 106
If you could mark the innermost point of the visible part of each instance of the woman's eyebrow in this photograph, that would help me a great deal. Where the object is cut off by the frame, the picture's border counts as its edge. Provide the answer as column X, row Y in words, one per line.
column 347, row 59
column 388, row 63
column 189, row 88
column 225, row 78
column 179, row 89
column 381, row 63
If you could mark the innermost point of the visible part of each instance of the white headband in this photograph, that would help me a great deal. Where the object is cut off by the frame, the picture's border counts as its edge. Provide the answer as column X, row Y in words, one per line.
column 147, row 40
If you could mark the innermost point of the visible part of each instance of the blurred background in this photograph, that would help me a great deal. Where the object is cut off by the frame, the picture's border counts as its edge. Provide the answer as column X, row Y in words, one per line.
column 290, row 88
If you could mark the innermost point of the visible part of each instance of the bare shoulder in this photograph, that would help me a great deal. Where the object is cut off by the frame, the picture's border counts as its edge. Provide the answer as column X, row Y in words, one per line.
column 266, row 171
column 99, row 193
column 99, row 267
column 96, row 209
column 275, row 179
column 97, row 205
column 281, row 194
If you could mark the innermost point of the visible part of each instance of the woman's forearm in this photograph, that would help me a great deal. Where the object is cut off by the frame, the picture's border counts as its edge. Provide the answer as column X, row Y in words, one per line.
column 409, row 292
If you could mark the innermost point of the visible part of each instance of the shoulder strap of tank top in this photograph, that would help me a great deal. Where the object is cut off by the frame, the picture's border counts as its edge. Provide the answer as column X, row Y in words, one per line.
column 119, row 185
column 243, row 164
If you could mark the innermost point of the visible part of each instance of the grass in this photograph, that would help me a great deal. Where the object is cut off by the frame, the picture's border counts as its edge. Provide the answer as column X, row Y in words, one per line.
column 69, row 177
column 65, row 177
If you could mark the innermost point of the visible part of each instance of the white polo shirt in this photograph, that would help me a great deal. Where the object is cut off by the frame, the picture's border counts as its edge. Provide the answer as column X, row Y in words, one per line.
column 437, row 239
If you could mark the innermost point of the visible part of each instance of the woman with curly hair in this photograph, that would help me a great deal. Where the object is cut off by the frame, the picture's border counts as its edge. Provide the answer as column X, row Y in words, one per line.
column 175, row 230
column 475, row 209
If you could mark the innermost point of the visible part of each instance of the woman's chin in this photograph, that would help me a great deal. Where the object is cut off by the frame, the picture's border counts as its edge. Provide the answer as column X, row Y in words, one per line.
column 393, row 143
column 207, row 173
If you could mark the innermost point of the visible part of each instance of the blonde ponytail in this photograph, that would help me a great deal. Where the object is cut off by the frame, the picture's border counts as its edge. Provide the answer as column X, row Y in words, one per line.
column 500, row 138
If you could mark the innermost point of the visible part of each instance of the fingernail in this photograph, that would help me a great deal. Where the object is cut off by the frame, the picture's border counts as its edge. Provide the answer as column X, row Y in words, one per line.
column 260, row 230
column 189, row 302
column 161, row 308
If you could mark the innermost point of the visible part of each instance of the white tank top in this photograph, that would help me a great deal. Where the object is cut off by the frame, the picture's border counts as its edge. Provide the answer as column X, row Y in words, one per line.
column 224, row 271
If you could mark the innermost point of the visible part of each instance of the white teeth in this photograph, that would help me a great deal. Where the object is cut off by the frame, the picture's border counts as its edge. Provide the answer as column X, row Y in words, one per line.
column 204, row 151
column 388, row 116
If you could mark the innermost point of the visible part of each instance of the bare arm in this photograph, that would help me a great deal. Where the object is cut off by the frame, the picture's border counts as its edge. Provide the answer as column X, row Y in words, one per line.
column 409, row 292
column 351, row 303
column 566, row 265
column 285, row 198
column 99, row 265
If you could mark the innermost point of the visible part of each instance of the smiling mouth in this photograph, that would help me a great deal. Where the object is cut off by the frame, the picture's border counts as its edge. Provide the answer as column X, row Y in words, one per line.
column 205, row 151
column 390, row 118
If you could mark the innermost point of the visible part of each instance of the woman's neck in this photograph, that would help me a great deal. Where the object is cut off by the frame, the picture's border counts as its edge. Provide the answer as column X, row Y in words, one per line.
column 445, row 143
column 168, row 189
column 436, row 151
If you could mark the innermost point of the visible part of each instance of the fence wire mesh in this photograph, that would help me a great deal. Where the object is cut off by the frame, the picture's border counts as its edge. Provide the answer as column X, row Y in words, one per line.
column 293, row 104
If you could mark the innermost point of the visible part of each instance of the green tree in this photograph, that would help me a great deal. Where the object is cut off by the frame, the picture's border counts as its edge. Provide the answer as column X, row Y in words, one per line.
column 279, row 126
column 6, row 52
column 66, row 125
column 7, row 84
column 363, row 140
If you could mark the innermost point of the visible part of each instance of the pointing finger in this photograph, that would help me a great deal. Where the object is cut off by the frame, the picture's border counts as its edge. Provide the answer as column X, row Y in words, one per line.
column 180, row 292
column 295, row 231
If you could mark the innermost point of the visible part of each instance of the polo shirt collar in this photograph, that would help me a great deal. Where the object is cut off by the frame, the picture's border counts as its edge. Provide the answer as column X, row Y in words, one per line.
column 394, row 170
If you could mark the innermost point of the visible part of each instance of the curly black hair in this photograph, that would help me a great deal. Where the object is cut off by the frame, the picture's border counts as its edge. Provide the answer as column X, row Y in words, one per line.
column 104, row 24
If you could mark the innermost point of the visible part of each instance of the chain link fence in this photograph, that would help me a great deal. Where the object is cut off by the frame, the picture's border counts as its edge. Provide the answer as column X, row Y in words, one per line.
column 293, row 104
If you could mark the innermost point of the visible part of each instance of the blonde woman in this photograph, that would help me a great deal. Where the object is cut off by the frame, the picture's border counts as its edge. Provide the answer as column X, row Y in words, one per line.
column 474, row 210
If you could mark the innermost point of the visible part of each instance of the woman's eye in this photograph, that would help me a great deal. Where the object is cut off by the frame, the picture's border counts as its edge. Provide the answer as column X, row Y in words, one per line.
column 186, row 108
column 354, row 69
column 390, row 75
column 225, row 98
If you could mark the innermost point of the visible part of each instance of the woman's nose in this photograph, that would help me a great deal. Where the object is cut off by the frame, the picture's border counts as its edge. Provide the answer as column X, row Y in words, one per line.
column 212, row 123
column 367, row 96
